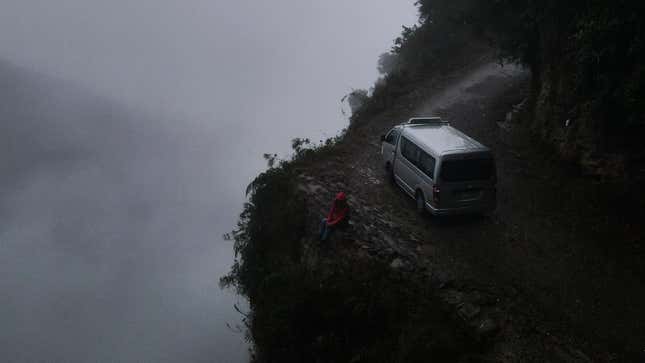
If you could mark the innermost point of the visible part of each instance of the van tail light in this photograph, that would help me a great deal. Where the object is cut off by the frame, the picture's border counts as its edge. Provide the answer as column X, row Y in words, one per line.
column 436, row 194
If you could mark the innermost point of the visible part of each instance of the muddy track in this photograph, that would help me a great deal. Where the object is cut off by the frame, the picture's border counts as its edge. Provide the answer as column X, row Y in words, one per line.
column 519, row 272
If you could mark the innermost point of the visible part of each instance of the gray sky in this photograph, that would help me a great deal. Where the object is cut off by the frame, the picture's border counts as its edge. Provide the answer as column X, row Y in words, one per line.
column 214, row 61
column 114, row 192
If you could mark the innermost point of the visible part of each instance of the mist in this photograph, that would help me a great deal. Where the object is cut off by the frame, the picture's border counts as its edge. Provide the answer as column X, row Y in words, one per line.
column 130, row 130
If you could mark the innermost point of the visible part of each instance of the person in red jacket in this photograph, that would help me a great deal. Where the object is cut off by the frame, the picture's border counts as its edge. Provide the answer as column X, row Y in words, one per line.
column 338, row 217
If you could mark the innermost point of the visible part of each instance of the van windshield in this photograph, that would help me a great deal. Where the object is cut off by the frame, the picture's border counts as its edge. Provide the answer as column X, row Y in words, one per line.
column 467, row 170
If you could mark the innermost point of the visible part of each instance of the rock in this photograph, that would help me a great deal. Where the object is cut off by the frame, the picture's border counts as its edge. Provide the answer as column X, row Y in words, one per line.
column 515, row 113
column 397, row 263
column 388, row 223
column 505, row 126
column 486, row 327
column 429, row 271
column 311, row 188
column 407, row 264
column 481, row 299
column 441, row 279
column 427, row 250
column 453, row 297
column 410, row 255
column 468, row 311
column 389, row 240
column 580, row 355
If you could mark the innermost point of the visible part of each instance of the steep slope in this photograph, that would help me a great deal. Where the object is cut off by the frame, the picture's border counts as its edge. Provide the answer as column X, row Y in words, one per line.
column 517, row 281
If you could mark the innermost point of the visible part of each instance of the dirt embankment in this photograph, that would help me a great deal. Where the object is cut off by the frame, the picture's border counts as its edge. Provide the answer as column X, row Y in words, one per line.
column 553, row 275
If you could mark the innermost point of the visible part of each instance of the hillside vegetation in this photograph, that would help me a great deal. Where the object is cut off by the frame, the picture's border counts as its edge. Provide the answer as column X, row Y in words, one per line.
column 312, row 304
column 585, row 101
column 586, row 57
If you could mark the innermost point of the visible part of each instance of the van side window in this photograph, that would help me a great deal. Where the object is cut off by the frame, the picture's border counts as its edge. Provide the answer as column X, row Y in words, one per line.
column 409, row 150
column 419, row 158
column 392, row 137
column 426, row 164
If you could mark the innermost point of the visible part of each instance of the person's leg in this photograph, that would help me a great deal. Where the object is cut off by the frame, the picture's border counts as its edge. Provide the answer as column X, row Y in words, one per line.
column 323, row 229
column 328, row 231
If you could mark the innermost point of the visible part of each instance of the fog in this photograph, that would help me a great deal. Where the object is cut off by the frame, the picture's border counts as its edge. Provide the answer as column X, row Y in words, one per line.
column 129, row 131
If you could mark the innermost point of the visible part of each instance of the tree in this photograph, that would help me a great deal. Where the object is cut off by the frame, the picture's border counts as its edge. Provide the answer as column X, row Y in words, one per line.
column 356, row 99
column 387, row 63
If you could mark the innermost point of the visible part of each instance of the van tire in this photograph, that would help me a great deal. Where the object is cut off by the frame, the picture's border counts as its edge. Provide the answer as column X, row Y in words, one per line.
column 420, row 201
column 389, row 172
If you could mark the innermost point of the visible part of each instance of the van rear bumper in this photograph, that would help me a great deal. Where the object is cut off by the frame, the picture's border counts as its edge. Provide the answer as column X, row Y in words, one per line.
column 470, row 209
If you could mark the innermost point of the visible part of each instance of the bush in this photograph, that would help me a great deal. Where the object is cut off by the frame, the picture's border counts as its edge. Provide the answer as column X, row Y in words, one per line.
column 339, row 309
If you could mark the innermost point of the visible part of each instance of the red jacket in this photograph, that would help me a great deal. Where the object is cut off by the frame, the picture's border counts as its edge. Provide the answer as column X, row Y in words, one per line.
column 337, row 213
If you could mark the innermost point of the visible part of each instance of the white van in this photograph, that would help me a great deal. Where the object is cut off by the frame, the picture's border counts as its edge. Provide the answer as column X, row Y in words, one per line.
column 444, row 170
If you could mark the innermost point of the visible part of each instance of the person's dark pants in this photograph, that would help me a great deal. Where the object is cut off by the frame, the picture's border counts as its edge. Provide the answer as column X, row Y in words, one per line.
column 325, row 230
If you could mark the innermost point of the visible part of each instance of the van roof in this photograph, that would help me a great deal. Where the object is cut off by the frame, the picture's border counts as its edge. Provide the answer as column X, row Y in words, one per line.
column 442, row 139
column 431, row 120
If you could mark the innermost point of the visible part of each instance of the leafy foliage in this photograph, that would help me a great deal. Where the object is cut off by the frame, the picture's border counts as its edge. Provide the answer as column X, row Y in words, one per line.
column 352, row 310
column 388, row 63
column 422, row 49
column 356, row 99
column 586, row 57
column 272, row 222
column 587, row 62
column 326, row 310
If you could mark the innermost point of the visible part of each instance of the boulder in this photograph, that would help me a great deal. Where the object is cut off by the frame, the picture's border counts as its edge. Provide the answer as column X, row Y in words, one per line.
column 486, row 328
column 397, row 264
column 468, row 311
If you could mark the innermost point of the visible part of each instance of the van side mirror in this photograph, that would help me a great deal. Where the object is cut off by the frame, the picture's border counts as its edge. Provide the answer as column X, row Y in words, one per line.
column 382, row 138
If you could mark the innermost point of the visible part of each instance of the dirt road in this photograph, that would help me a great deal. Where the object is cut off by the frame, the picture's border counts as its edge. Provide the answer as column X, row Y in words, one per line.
column 552, row 267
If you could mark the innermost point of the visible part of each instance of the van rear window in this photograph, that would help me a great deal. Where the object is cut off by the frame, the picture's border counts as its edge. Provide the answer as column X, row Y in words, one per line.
column 467, row 170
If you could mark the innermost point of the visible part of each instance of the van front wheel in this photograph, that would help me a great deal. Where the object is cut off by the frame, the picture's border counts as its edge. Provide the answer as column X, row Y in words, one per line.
column 389, row 172
column 421, row 203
